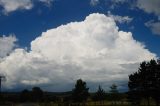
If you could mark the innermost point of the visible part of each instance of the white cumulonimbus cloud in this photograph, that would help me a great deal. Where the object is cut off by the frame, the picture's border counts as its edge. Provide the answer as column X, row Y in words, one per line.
column 94, row 50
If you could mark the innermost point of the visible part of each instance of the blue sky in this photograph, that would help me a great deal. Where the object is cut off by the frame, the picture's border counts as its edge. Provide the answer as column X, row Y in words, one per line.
column 26, row 20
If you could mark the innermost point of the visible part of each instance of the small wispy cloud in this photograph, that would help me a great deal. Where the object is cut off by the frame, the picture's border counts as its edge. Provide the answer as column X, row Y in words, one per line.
column 120, row 19
column 14, row 5
column 154, row 26
column 94, row 2
column 149, row 6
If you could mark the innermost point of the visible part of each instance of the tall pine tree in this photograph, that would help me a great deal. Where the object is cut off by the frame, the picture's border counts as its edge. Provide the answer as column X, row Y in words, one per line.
column 80, row 92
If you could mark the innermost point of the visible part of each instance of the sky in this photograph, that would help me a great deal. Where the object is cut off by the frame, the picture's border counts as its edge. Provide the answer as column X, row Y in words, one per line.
column 52, row 43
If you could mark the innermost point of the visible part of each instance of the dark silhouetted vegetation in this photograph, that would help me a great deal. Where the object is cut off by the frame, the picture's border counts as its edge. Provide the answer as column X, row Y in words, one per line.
column 114, row 95
column 80, row 92
column 36, row 95
column 145, row 83
column 100, row 95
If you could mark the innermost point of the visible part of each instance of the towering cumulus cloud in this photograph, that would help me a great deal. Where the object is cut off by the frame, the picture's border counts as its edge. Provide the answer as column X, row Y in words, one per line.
column 94, row 50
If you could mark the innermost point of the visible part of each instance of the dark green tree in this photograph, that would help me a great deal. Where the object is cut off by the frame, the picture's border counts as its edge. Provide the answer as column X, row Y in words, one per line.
column 113, row 89
column 145, row 83
column 37, row 94
column 137, row 84
column 134, row 91
column 25, row 96
column 114, row 94
column 100, row 95
column 80, row 92
column 155, row 81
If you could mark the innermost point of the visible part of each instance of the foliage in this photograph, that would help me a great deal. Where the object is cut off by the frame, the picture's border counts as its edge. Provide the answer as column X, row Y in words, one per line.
column 113, row 89
column 99, row 95
column 145, row 83
column 25, row 96
column 37, row 94
column 80, row 92
column 114, row 94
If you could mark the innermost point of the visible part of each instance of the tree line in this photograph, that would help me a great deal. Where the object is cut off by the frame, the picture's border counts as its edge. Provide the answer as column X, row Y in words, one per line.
column 79, row 95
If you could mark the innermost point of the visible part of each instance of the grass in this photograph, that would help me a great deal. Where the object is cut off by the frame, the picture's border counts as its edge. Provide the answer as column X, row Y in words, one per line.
column 90, row 103
column 106, row 103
